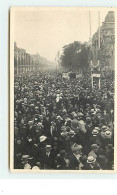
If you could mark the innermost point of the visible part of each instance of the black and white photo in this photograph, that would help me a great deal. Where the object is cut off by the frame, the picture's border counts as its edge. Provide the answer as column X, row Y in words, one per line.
column 62, row 89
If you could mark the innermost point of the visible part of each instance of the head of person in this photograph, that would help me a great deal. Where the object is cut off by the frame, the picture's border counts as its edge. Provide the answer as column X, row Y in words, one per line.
column 76, row 149
column 19, row 141
column 80, row 115
column 25, row 159
column 95, row 132
column 63, row 153
column 109, row 148
column 102, row 160
column 48, row 148
column 63, row 128
column 88, row 120
column 94, row 147
column 108, row 134
column 104, row 129
column 27, row 166
column 91, row 160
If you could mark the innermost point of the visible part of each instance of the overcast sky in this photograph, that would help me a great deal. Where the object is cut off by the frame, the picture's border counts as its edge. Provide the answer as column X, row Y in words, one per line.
column 47, row 30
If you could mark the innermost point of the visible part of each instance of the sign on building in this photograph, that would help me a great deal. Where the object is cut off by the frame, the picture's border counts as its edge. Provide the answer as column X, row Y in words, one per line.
column 95, row 79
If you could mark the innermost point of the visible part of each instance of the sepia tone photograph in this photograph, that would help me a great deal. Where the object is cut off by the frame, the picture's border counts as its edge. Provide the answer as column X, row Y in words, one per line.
column 62, row 89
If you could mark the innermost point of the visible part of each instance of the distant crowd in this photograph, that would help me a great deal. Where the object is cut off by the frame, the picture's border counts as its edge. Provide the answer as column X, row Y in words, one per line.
column 63, row 124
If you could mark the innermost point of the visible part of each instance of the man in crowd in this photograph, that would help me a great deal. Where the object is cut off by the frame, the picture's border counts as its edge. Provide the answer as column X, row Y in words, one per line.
column 63, row 124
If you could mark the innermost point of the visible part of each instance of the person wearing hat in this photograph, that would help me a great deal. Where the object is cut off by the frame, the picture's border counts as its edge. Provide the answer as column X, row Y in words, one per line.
column 109, row 153
column 88, row 135
column 64, row 139
column 58, row 123
column 94, row 150
column 92, row 163
column 42, row 138
column 25, row 161
column 95, row 132
column 16, row 130
column 23, row 130
column 30, row 129
column 83, row 162
column 74, row 123
column 35, row 150
column 18, row 150
column 75, row 156
column 62, row 161
column 48, row 158
column 46, row 124
column 95, row 137
column 106, row 138
column 53, row 130
column 102, row 160
column 103, row 130
column 106, row 117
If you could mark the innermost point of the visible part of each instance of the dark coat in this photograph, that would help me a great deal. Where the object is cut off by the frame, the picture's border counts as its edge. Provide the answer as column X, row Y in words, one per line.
column 48, row 162
column 74, row 164
column 95, row 167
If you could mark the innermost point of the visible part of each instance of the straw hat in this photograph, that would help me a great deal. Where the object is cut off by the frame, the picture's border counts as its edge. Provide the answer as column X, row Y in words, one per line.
column 42, row 138
column 90, row 159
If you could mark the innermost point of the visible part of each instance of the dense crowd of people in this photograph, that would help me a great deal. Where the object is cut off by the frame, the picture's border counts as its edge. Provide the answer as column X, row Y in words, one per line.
column 63, row 124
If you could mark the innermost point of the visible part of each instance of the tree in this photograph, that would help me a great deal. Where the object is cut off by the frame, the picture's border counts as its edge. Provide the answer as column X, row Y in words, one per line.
column 75, row 56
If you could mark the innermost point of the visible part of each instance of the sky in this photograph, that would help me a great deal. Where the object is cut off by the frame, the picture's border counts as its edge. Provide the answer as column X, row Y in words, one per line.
column 47, row 30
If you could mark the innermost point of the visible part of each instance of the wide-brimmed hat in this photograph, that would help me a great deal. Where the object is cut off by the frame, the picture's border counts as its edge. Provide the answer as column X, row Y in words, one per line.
column 30, row 139
column 71, row 132
column 26, row 157
column 76, row 147
column 80, row 114
column 92, row 110
column 59, row 118
column 36, row 107
column 97, row 128
column 95, row 132
column 42, row 138
column 48, row 146
column 39, row 124
column 104, row 128
column 90, row 159
column 108, row 134
column 30, row 122
column 32, row 105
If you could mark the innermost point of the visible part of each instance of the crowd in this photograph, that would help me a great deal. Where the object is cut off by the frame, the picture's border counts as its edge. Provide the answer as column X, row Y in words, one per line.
column 62, row 124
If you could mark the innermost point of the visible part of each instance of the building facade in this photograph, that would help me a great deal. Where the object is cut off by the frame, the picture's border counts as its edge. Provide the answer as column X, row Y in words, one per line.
column 103, row 42
column 23, row 62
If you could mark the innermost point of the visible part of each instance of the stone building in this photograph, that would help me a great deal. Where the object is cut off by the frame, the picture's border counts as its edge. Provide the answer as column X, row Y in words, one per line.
column 23, row 61
column 105, row 52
